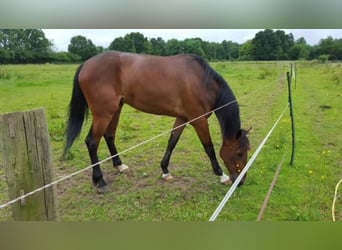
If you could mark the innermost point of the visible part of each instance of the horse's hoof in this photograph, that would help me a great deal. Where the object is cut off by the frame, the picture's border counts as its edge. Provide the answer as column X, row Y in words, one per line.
column 102, row 190
column 101, row 186
column 225, row 180
column 122, row 168
column 167, row 177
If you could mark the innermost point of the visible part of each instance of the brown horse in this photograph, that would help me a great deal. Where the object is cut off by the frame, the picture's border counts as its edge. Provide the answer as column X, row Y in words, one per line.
column 181, row 86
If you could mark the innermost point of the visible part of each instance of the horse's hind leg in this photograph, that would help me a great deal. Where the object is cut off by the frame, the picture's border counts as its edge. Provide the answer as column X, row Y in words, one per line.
column 92, row 141
column 175, row 134
column 110, row 140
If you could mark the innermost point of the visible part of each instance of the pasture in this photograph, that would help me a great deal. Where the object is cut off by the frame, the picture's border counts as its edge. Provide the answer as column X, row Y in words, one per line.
column 303, row 191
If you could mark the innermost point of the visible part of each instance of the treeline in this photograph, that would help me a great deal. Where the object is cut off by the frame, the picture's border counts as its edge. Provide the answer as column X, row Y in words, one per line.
column 31, row 46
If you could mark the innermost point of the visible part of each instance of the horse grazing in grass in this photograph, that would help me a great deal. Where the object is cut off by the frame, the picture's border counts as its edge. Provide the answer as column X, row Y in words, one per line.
column 181, row 86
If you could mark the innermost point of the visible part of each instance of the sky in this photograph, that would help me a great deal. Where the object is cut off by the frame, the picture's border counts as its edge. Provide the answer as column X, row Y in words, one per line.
column 103, row 37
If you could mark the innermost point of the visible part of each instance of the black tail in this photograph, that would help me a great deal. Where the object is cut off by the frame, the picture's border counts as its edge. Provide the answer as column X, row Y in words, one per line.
column 78, row 110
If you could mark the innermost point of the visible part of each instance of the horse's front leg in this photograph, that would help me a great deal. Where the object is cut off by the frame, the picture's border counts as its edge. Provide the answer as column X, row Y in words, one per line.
column 202, row 128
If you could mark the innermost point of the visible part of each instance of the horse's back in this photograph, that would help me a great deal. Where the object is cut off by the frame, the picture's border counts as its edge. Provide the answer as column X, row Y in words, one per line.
column 153, row 84
column 135, row 68
column 162, row 85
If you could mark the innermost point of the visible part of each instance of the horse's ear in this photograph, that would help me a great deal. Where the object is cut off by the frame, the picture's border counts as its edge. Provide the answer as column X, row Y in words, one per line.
column 243, row 132
column 239, row 134
column 243, row 139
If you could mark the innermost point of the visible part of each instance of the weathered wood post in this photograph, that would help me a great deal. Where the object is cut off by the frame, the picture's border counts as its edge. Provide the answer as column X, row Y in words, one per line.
column 26, row 154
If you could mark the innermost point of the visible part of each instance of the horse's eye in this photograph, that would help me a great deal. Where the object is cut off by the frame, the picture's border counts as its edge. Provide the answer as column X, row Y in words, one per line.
column 239, row 155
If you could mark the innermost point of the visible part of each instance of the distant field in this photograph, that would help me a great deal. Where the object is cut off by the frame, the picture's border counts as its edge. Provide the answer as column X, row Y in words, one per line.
column 303, row 191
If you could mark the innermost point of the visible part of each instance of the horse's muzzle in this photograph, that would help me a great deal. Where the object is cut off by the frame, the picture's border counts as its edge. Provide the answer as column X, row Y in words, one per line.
column 242, row 181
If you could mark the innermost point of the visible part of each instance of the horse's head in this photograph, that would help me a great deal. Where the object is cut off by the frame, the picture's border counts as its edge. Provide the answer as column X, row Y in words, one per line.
column 234, row 154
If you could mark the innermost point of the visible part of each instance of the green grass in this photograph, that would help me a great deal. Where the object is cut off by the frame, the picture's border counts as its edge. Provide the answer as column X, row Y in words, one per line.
column 303, row 191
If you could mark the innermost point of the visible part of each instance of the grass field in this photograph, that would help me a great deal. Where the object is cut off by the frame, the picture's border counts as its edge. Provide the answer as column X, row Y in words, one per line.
column 303, row 191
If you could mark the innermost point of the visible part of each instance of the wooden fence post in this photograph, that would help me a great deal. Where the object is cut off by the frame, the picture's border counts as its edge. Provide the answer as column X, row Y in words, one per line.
column 26, row 154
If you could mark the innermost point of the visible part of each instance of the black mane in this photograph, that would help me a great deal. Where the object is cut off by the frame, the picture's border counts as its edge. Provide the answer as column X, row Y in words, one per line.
column 228, row 116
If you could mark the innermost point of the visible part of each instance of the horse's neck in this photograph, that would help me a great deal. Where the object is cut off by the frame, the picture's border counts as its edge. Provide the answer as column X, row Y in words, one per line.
column 228, row 114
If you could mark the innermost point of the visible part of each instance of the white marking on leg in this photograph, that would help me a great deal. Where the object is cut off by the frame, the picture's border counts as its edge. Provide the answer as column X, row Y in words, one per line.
column 224, row 179
column 167, row 177
column 122, row 168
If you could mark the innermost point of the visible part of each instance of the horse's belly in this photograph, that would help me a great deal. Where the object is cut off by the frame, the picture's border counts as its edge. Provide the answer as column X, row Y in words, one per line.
column 155, row 104
column 155, row 100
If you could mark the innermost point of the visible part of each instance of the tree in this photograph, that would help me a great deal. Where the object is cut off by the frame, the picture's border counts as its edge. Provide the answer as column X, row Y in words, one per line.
column 5, row 56
column 300, row 50
column 140, row 43
column 122, row 44
column 263, row 45
column 99, row 49
column 331, row 47
column 212, row 50
column 193, row 46
column 246, row 51
column 270, row 45
column 231, row 50
column 83, row 47
column 338, row 49
column 133, row 42
column 38, row 45
column 173, row 47
column 286, row 41
column 24, row 46
column 158, row 46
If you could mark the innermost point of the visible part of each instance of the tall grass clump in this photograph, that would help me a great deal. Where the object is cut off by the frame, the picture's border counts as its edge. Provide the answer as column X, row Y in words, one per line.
column 4, row 74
